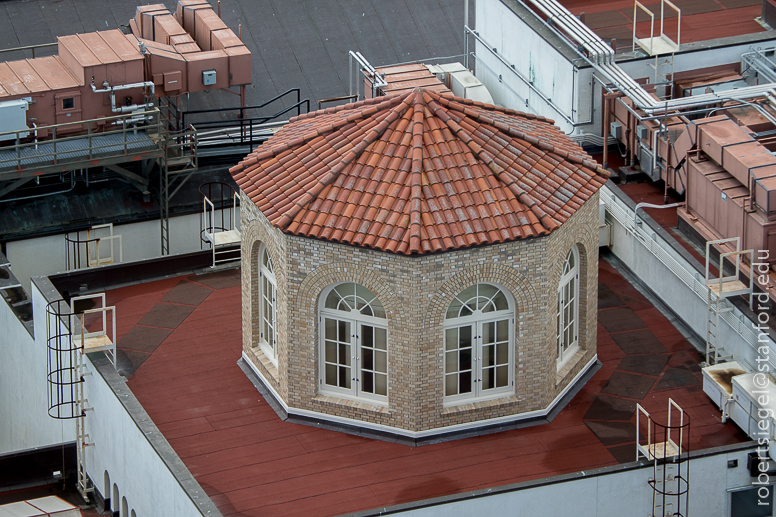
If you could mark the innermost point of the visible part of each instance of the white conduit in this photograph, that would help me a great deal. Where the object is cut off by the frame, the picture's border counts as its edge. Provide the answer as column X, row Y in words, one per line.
column 107, row 88
column 602, row 60
column 683, row 271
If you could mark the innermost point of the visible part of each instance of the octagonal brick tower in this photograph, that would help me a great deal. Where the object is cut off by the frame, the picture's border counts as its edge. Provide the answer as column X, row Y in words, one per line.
column 419, row 265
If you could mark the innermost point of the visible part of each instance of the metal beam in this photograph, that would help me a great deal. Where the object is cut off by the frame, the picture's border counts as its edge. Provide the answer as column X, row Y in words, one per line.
column 138, row 181
column 41, row 170
column 184, row 180
column 13, row 186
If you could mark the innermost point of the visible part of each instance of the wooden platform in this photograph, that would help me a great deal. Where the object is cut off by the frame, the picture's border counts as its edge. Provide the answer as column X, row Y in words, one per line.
column 93, row 344
column 729, row 288
column 659, row 450
column 226, row 238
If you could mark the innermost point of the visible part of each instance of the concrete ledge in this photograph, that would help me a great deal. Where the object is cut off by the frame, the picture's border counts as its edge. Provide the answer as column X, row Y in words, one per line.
column 154, row 436
column 474, row 494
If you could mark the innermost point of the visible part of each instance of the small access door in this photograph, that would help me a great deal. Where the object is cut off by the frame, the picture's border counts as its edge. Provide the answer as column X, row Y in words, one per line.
column 68, row 109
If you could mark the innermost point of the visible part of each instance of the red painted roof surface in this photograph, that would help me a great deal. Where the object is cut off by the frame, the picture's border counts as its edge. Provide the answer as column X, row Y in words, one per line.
column 251, row 463
column 701, row 19
column 418, row 172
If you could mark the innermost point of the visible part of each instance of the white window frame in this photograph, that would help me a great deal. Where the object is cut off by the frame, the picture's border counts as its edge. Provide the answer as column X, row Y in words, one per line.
column 476, row 321
column 356, row 320
column 567, row 347
column 266, row 275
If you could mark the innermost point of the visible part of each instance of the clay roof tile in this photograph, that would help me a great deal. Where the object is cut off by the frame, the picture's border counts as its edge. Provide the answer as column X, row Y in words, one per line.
column 418, row 172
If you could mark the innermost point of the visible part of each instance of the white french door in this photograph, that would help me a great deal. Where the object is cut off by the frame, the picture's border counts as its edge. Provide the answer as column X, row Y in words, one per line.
column 478, row 358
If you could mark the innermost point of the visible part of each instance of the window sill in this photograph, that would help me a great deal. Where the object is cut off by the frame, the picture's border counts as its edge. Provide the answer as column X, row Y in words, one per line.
column 569, row 365
column 474, row 405
column 266, row 362
column 355, row 404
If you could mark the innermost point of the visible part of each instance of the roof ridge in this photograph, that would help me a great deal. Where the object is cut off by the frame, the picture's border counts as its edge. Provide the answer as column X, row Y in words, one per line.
column 260, row 154
column 347, row 106
column 332, row 173
column 462, row 102
column 542, row 143
column 526, row 199
column 416, row 172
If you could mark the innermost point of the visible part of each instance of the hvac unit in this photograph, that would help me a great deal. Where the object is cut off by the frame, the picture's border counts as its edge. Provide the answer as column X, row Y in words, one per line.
column 13, row 117
column 615, row 129
column 464, row 84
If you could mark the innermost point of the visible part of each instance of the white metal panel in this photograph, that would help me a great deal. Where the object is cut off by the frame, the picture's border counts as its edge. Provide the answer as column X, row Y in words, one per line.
column 533, row 58
column 479, row 93
column 13, row 117
column 713, row 390
column 460, row 81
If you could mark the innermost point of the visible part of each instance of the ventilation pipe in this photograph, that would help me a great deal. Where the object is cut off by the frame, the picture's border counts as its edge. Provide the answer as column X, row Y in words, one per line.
column 110, row 90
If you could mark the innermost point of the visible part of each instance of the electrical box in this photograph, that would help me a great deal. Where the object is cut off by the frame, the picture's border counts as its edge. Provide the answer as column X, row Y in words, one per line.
column 615, row 129
column 13, row 117
column 642, row 132
column 208, row 77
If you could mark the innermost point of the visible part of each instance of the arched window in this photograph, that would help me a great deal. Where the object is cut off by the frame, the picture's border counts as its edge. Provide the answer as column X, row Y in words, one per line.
column 568, row 308
column 267, row 306
column 114, row 502
column 479, row 344
column 106, row 493
column 354, row 343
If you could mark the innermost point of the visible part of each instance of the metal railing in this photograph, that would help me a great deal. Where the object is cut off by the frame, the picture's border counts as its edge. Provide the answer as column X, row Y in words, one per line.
column 684, row 272
column 180, row 156
column 55, row 150
column 241, row 130
column 82, row 248
column 29, row 47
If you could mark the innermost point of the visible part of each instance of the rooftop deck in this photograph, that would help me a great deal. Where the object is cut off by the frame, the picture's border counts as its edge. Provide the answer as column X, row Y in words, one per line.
column 701, row 19
column 181, row 337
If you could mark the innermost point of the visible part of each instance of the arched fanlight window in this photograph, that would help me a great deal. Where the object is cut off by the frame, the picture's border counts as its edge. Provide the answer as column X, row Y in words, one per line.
column 568, row 308
column 267, row 306
column 479, row 344
column 354, row 343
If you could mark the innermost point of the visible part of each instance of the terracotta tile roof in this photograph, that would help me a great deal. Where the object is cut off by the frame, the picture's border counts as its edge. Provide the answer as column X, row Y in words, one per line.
column 418, row 172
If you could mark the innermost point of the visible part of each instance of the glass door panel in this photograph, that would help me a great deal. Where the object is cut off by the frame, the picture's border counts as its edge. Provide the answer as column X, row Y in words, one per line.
column 495, row 354
column 459, row 345
column 337, row 354
column 374, row 360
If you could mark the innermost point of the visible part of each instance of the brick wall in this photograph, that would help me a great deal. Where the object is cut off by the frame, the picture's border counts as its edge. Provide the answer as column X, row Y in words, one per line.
column 416, row 291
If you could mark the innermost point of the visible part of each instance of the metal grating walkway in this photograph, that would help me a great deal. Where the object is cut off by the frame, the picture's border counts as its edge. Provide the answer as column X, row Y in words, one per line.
column 75, row 149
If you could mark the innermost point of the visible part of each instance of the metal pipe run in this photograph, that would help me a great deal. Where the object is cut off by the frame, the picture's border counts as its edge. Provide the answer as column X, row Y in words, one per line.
column 110, row 90
column 580, row 37
column 649, row 205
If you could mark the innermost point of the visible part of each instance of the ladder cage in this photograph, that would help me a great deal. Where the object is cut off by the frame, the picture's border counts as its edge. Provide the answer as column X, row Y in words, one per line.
column 219, row 207
column 95, row 246
column 666, row 446
column 64, row 368
column 82, row 326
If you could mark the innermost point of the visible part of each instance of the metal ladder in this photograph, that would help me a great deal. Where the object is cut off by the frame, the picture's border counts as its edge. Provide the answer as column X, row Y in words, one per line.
column 667, row 448
column 719, row 290
column 664, row 76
